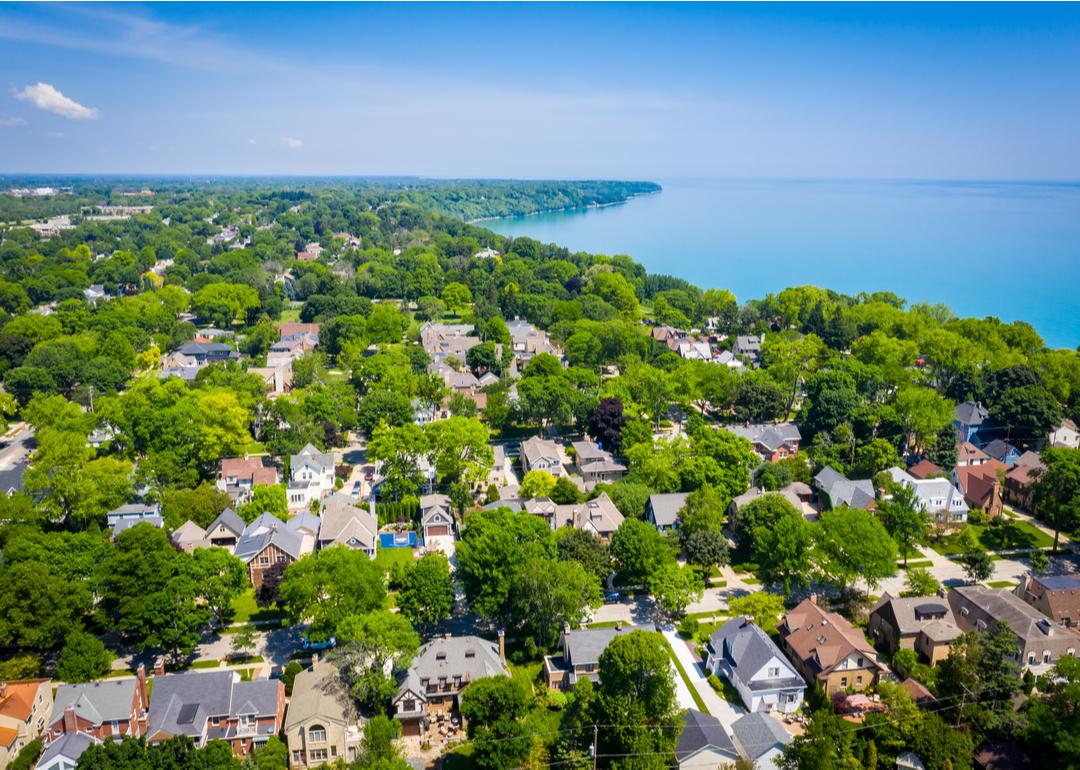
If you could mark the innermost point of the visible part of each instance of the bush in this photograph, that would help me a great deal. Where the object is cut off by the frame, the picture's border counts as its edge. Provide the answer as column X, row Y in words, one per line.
column 289, row 676
column 689, row 627
column 976, row 517
column 28, row 757
column 556, row 700
column 19, row 667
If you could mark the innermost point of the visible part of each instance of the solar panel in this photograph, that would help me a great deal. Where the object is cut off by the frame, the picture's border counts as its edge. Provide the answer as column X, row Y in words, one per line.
column 187, row 714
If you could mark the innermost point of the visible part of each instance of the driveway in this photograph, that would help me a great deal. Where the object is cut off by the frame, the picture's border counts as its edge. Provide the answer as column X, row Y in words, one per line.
column 726, row 712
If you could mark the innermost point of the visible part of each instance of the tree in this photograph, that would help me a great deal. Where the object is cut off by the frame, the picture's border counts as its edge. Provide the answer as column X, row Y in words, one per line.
column 637, row 693
column 272, row 755
column 1057, row 490
column 460, row 449
column 427, row 591
column 375, row 647
column 175, row 618
column 242, row 641
column 923, row 413
column 484, row 358
column 851, row 544
column 546, row 594
column 763, row 607
column 1040, row 562
column 223, row 303
column 221, row 577
column 378, row 749
column 1029, row 412
column 586, row 549
column 639, row 551
column 200, row 505
column 1052, row 729
column 83, row 659
column 265, row 498
column 38, row 608
column 704, row 511
column 760, row 512
column 492, row 707
column 456, row 296
column 537, row 483
column 982, row 673
column 905, row 520
column 707, row 549
column 977, row 563
column 325, row 588
column 400, row 451
column 606, row 423
column 782, row 550
column 918, row 581
column 675, row 588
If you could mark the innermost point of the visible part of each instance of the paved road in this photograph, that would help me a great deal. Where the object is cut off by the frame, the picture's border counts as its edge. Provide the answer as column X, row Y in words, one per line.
column 15, row 446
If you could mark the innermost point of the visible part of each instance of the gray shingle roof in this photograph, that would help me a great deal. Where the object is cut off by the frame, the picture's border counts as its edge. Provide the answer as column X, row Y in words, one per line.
column 701, row 731
column 844, row 491
column 200, row 695
column 69, row 746
column 96, row 702
column 230, row 519
column 747, row 649
column 469, row 657
column 665, row 507
column 772, row 437
column 584, row 646
column 971, row 413
column 756, row 733
column 268, row 530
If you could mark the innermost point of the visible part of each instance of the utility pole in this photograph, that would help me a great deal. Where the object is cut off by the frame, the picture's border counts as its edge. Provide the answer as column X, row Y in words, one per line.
column 595, row 744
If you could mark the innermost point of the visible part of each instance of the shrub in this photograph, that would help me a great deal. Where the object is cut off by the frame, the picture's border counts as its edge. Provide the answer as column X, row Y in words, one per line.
column 28, row 757
column 289, row 676
column 689, row 627
column 556, row 700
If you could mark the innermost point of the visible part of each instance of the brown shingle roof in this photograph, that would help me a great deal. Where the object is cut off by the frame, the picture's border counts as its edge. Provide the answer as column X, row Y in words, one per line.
column 822, row 639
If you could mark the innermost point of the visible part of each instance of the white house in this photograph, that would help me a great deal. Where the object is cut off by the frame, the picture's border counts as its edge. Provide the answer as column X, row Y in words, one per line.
column 743, row 654
column 1065, row 435
column 704, row 743
column 541, row 454
column 311, row 477
column 936, row 496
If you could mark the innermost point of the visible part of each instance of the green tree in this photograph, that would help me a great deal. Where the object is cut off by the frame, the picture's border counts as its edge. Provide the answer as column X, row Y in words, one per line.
column 374, row 644
column 675, row 588
column 456, row 296
column 763, row 607
column 400, row 451
column 492, row 708
column 460, row 449
column 707, row 549
column 39, row 608
column 327, row 587
column 639, row 551
column 537, row 483
column 905, row 520
column 220, row 577
column 1057, row 490
column 272, row 755
column 852, row 544
column 782, row 550
column 201, row 505
column 427, row 590
column 918, row 581
column 586, row 549
column 83, row 659
column 545, row 594
column 761, row 512
column 977, row 563
column 1052, row 729
column 265, row 498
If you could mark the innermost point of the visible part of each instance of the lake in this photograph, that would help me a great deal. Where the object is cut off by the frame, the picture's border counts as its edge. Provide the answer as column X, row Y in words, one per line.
column 1010, row 250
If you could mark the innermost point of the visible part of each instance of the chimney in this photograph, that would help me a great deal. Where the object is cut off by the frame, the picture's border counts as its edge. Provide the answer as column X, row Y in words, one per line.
column 502, row 645
column 447, row 635
column 159, row 668
column 566, row 626
column 812, row 598
column 71, row 724
column 314, row 660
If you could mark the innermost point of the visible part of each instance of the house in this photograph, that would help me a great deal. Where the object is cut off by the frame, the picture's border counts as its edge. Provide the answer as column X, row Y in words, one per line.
column 108, row 709
column 771, row 442
column 981, row 485
column 266, row 542
column 121, row 525
column 760, row 739
column 239, row 475
column 596, row 465
column 728, row 359
column 748, row 346
column 64, row 753
column 11, row 480
column 189, row 536
column 662, row 510
column 290, row 328
column 1020, row 480
column 919, row 693
column 538, row 454
column 528, row 341
column 436, row 517
column 796, row 493
column 827, row 649
column 486, row 253
column 970, row 418
column 744, row 655
column 216, row 705
column 925, row 469
column 441, row 341
column 289, row 348
column 969, row 454
column 1065, row 435
column 311, row 477
column 439, row 672
column 1056, row 596
column 841, row 491
column 1040, row 641
column 579, row 657
column 346, row 523
column 206, row 353
column 1002, row 756
column 322, row 724
column 424, row 412
column 226, row 529
column 938, row 497
column 24, row 713
column 307, row 524
column 924, row 624
column 599, row 516
column 278, row 379
column 133, row 512
column 1002, row 451
column 703, row 743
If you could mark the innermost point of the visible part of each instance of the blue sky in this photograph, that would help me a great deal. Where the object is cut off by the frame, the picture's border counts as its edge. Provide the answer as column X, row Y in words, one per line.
column 967, row 91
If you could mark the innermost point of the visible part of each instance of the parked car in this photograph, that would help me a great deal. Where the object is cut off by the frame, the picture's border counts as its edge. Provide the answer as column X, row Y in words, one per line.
column 612, row 598
column 276, row 672
column 310, row 646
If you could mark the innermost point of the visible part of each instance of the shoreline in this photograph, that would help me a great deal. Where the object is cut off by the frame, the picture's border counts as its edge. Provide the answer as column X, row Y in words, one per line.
column 564, row 209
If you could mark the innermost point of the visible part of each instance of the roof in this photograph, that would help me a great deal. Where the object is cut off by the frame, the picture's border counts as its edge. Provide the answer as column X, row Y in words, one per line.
column 12, row 478
column 911, row 614
column 918, row 691
column 69, row 746
column 702, row 731
column 469, row 657
column 924, row 469
column 770, row 436
column 265, row 531
column 230, row 520
column 823, row 639
column 188, row 532
column 343, row 520
column 1000, row 449
column 1002, row 756
column 309, row 454
column 17, row 698
column 305, row 520
column 747, row 649
column 248, row 468
column 757, row 733
column 793, row 493
column 587, row 452
column 844, row 491
column 319, row 692
column 535, row 449
column 583, row 646
column 979, row 481
column 204, row 348
column 665, row 507
column 968, row 452
column 124, row 524
column 1060, row 592
column 96, row 702
column 995, row 605
column 599, row 514
column 971, row 413
column 183, row 702
column 927, row 490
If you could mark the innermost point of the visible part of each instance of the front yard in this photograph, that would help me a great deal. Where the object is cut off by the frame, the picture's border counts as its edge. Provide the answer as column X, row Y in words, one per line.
column 1008, row 536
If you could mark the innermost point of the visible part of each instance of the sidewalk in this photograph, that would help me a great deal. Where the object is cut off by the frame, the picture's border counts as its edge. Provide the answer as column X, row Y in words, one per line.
column 717, row 706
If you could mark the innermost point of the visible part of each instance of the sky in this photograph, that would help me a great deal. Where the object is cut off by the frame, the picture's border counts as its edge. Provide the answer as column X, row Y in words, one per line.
column 628, row 91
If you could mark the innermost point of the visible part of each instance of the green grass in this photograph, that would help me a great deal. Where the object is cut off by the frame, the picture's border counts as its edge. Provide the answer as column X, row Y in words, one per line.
column 206, row 664
column 689, row 685
column 252, row 627
column 726, row 690
column 387, row 557
column 246, row 674
column 604, row 624
column 914, row 564
column 247, row 611
column 1001, row 584
column 1010, row 536
column 290, row 315
column 710, row 615
column 751, row 581
column 245, row 659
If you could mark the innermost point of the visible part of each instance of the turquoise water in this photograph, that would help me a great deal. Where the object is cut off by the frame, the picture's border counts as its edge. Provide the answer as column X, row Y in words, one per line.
column 1011, row 250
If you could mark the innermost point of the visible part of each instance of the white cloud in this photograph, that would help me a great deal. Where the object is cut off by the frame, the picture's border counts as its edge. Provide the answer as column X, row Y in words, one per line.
column 292, row 143
column 7, row 122
column 48, row 98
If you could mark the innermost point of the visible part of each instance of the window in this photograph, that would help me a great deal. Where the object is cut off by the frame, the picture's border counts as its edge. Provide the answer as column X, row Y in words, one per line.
column 843, row 681
column 316, row 734
column 1046, row 656
column 247, row 722
column 1031, row 659
column 774, row 673
column 264, row 560
column 317, row 755
column 858, row 679
column 298, row 756
column 408, row 705
column 859, row 662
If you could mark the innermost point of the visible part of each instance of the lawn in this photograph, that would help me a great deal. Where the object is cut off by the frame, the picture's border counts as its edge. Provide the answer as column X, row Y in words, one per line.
column 604, row 624
column 388, row 557
column 247, row 611
column 914, row 564
column 686, row 679
column 290, row 314
column 206, row 664
column 1009, row 536
column 1001, row 584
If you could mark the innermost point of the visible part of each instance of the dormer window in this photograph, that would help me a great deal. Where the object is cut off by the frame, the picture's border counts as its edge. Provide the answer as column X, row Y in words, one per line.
column 440, row 656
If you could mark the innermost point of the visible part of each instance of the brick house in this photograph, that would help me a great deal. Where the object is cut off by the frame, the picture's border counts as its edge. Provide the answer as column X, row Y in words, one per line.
column 111, row 708
column 827, row 649
column 24, row 713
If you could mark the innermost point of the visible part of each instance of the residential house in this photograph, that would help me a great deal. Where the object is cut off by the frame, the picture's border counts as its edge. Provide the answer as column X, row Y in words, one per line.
column 539, row 454
column 1065, row 435
column 662, row 510
column 772, row 442
column 206, row 353
column 969, row 454
column 596, row 465
column 748, row 346
column 1056, row 596
column 971, row 418
column 441, row 669
column 486, row 253
column 982, row 485
column 266, row 542
column 24, row 711
column 579, row 656
column 307, row 524
column 925, row 469
column 924, row 624
column 728, row 359
column 133, row 512
column 528, row 341
column 827, row 649
column 743, row 654
column 796, row 493
column 226, row 530
column 840, row 490
column 11, row 480
column 1020, row 480
column 189, row 536
column 436, row 516
column 1007, row 755
column 106, row 710
column 322, row 724
column 441, row 341
column 291, row 347
column 239, row 475
column 311, row 477
column 217, row 705
column 760, row 739
column 278, row 379
column 64, row 753
column 346, row 523
column 1002, row 451
column 598, row 516
column 1039, row 640
column 938, row 497
column 704, row 743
